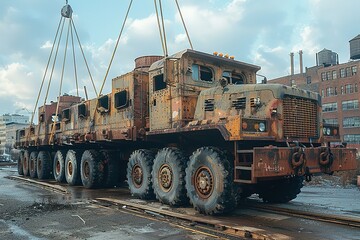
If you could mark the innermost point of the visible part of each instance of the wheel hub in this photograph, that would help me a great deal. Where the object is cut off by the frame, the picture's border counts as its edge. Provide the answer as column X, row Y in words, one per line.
column 70, row 169
column 86, row 170
column 137, row 176
column 165, row 177
column 204, row 182
column 58, row 166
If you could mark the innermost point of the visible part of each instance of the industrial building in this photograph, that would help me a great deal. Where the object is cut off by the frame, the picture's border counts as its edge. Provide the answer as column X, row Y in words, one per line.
column 9, row 123
column 338, row 84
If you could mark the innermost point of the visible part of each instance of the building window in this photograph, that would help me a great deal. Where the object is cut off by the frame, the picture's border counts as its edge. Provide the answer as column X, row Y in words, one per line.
column 351, row 122
column 329, row 92
column 334, row 74
column 350, row 105
column 335, row 91
column 328, row 76
column 322, row 92
column 352, row 138
column 342, row 72
column 323, row 76
column 333, row 121
column 308, row 79
column 329, row 107
column 356, row 87
column 342, row 90
column 348, row 72
column 348, row 88
column 353, row 70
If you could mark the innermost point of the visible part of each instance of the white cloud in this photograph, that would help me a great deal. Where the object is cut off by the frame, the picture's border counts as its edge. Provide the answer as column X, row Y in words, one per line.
column 46, row 45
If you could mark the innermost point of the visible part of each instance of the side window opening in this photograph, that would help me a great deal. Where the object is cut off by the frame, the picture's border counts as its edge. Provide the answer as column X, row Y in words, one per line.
column 42, row 117
column 234, row 78
column 103, row 104
column 201, row 73
column 121, row 99
column 82, row 111
column 66, row 115
column 159, row 83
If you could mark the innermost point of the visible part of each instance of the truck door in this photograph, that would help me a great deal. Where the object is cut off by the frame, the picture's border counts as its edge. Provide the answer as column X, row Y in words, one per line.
column 161, row 94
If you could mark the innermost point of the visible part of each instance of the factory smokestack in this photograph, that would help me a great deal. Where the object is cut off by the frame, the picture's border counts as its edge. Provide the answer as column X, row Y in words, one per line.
column 301, row 61
column 292, row 63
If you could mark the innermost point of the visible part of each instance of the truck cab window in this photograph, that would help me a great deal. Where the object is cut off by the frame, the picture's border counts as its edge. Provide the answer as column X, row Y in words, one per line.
column 234, row 78
column 202, row 73
column 159, row 83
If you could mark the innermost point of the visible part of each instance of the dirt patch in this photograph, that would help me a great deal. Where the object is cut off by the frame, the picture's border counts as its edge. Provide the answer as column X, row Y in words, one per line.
column 36, row 209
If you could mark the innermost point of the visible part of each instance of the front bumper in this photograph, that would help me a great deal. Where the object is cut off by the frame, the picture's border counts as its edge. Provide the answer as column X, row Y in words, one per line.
column 269, row 162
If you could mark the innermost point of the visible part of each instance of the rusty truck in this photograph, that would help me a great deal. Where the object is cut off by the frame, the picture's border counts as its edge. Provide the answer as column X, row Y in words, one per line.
column 191, row 127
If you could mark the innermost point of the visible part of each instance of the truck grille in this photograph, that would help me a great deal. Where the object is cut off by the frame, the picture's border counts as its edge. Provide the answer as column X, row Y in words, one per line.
column 300, row 118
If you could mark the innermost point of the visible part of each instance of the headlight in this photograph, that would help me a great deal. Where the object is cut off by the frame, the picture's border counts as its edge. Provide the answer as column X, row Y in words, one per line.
column 262, row 127
column 254, row 125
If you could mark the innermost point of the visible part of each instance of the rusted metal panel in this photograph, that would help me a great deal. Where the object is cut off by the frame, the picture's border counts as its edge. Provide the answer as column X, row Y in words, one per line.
column 279, row 161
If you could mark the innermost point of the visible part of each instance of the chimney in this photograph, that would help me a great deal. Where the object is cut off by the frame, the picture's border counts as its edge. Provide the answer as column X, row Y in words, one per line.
column 292, row 63
column 301, row 61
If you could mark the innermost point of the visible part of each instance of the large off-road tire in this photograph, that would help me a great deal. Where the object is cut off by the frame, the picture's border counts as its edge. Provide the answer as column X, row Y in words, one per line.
column 111, row 160
column 33, row 164
column 59, row 166
column 282, row 190
column 20, row 163
column 44, row 165
column 168, row 175
column 139, row 174
column 209, row 181
column 72, row 167
column 26, row 160
column 92, row 169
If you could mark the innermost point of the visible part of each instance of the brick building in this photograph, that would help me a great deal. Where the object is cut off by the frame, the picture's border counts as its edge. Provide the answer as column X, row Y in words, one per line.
column 338, row 85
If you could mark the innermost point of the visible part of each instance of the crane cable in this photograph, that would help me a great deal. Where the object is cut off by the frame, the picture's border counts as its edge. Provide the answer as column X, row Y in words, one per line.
column 83, row 54
column 43, row 79
column 183, row 22
column 60, row 88
column 159, row 26
column 74, row 59
column 112, row 56
column 163, row 28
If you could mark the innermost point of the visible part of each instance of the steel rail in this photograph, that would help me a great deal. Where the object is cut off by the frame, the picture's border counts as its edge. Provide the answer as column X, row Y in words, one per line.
column 329, row 218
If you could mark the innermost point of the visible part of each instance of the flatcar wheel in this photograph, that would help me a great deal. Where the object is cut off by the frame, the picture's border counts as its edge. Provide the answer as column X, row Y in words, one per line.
column 209, row 181
column 44, row 165
column 139, row 174
column 168, row 174
column 59, row 166
column 26, row 160
column 72, row 167
column 91, row 169
column 20, row 163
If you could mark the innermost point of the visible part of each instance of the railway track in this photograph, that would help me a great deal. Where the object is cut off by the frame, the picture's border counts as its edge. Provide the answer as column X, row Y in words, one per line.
column 329, row 218
column 225, row 227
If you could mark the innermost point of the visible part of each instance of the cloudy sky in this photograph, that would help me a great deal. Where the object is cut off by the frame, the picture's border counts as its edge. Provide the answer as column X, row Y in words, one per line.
column 260, row 32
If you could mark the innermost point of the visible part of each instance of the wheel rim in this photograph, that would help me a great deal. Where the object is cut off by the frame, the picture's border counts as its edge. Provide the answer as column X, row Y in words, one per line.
column 204, row 184
column 137, row 176
column 165, row 177
column 86, row 170
column 70, row 168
